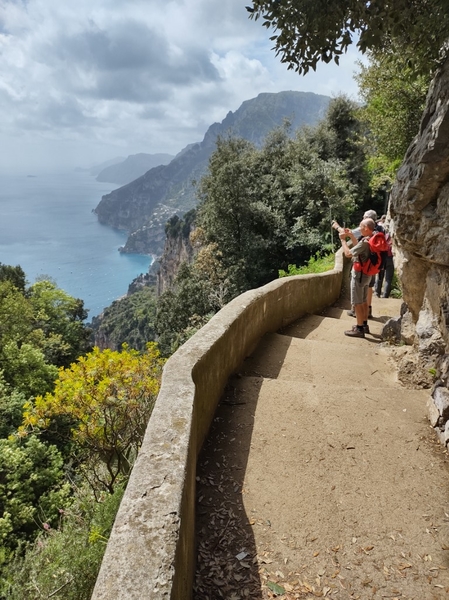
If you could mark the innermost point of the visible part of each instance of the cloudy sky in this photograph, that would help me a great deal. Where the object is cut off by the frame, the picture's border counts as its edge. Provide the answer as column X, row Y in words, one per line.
column 83, row 81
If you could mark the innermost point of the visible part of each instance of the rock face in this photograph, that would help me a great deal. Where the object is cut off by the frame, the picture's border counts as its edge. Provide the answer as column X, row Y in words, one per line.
column 419, row 212
column 178, row 249
column 143, row 206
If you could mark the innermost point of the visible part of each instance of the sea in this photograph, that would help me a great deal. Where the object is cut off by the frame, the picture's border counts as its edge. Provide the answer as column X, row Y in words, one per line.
column 47, row 226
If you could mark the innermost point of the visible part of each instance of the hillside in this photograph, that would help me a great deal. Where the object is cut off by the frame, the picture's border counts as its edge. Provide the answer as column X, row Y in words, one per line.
column 143, row 206
column 98, row 168
column 132, row 167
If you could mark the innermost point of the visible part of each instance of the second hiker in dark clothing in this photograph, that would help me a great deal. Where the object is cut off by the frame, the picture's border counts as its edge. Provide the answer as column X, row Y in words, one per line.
column 387, row 272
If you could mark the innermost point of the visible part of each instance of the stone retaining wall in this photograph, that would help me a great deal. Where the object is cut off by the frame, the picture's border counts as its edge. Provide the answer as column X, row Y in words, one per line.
column 151, row 551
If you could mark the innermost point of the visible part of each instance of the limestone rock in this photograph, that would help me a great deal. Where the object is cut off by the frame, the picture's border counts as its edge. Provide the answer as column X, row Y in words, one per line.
column 391, row 331
column 429, row 337
column 399, row 330
column 407, row 329
column 446, row 434
column 441, row 401
column 433, row 412
column 419, row 221
column 443, row 369
column 178, row 249
column 413, row 371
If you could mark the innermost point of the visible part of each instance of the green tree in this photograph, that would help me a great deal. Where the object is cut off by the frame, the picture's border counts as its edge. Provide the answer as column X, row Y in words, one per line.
column 41, row 328
column 32, row 489
column 229, row 210
column 323, row 194
column 26, row 369
column 343, row 121
column 58, row 323
column 11, row 405
column 16, row 326
column 14, row 275
column 246, row 207
column 16, row 315
column 306, row 32
column 394, row 95
column 265, row 209
column 183, row 309
column 108, row 398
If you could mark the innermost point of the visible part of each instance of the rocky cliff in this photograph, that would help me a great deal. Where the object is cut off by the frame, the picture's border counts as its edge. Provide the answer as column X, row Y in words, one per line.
column 143, row 206
column 419, row 212
column 177, row 250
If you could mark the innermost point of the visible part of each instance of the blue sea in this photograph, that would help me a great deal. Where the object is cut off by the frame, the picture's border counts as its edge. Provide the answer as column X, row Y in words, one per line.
column 48, row 228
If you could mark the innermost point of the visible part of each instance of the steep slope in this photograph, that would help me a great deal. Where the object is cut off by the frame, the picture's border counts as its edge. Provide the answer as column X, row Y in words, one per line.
column 143, row 206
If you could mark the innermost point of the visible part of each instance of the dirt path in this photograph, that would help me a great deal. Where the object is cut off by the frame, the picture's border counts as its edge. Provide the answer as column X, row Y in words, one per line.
column 321, row 477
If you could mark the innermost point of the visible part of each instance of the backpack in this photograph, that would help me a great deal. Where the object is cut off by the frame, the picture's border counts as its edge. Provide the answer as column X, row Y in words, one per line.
column 379, row 247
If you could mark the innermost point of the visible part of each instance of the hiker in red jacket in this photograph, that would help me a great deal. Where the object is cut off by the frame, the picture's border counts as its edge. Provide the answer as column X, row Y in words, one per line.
column 369, row 214
column 359, row 251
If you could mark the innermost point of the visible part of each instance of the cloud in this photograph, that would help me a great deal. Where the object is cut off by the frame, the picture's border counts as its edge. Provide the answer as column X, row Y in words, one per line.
column 112, row 77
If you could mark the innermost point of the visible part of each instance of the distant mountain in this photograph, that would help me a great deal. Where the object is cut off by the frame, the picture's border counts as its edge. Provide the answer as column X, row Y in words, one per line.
column 133, row 167
column 143, row 206
column 98, row 168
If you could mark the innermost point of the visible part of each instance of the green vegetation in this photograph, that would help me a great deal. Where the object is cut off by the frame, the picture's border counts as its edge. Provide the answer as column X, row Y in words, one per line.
column 306, row 33
column 71, row 422
column 396, row 289
column 108, row 398
column 184, row 309
column 130, row 320
column 65, row 558
column 270, row 207
column 32, row 490
column 176, row 226
column 405, row 41
column 316, row 264
column 394, row 92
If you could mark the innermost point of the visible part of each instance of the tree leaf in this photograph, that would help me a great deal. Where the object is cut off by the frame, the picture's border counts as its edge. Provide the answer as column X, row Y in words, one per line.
column 277, row 589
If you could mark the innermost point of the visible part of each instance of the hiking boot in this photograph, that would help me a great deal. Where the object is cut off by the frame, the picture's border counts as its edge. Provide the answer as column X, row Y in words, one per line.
column 350, row 313
column 366, row 329
column 355, row 332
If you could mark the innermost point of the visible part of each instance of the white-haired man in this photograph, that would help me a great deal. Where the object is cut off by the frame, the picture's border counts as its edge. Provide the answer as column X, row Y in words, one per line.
column 359, row 281
column 369, row 214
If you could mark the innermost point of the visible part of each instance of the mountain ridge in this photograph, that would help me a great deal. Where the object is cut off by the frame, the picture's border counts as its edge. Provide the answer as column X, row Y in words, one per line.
column 143, row 206
column 132, row 167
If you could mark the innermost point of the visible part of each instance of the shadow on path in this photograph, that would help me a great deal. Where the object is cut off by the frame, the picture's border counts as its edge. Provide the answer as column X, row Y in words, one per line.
column 227, row 560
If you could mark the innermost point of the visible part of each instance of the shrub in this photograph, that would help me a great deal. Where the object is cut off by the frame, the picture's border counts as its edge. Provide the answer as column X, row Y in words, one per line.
column 64, row 562
column 316, row 264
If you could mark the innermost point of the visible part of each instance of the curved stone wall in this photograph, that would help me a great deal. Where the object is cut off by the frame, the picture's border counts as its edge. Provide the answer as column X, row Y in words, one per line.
column 151, row 551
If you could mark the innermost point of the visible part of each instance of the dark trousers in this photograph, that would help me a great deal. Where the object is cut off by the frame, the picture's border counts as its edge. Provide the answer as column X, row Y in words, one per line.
column 386, row 273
